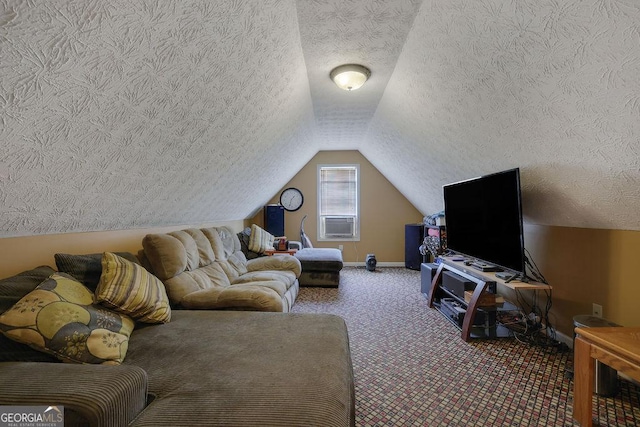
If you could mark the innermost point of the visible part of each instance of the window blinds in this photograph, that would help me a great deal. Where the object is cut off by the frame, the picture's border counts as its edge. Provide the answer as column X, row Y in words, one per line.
column 338, row 191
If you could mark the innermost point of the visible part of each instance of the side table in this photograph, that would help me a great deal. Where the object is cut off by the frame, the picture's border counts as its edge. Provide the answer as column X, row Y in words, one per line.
column 618, row 347
column 275, row 252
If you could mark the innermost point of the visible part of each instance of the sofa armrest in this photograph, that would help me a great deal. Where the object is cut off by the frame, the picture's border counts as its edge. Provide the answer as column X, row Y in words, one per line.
column 276, row 262
column 94, row 395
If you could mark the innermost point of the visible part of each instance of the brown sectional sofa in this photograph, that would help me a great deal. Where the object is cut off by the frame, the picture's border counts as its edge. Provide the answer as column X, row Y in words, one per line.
column 206, row 269
column 203, row 367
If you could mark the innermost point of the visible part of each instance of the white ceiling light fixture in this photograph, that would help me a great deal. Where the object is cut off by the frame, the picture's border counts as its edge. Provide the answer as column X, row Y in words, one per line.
column 350, row 76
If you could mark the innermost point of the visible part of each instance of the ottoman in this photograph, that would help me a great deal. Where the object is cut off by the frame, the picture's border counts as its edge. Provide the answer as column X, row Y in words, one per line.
column 320, row 266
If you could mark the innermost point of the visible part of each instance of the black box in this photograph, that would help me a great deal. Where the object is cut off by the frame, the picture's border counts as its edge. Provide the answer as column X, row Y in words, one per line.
column 427, row 272
column 413, row 235
column 274, row 220
column 456, row 312
column 457, row 284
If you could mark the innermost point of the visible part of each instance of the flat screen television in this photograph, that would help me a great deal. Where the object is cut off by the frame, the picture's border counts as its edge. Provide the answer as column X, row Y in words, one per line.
column 484, row 219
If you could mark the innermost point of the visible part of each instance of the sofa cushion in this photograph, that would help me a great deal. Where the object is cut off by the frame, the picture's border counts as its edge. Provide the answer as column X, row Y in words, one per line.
column 14, row 351
column 230, row 242
column 320, row 259
column 205, row 251
column 228, row 250
column 191, row 248
column 276, row 262
column 13, row 288
column 287, row 278
column 166, row 254
column 260, row 240
column 130, row 289
column 59, row 318
column 263, row 296
column 86, row 268
column 246, row 368
column 211, row 276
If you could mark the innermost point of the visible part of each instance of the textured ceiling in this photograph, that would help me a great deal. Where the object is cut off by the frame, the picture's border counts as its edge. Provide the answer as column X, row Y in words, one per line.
column 336, row 32
column 128, row 114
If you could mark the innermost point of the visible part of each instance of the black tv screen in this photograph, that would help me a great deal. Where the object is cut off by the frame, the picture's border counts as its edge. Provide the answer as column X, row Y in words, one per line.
column 484, row 219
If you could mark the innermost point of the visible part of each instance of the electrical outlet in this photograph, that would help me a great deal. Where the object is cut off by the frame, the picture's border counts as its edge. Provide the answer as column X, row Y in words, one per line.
column 340, row 247
column 597, row 310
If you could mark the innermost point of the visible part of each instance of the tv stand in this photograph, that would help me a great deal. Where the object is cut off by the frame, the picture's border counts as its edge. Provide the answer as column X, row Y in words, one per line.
column 483, row 281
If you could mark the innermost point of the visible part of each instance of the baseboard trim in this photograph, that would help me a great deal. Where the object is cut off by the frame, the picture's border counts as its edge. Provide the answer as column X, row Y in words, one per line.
column 378, row 264
column 564, row 339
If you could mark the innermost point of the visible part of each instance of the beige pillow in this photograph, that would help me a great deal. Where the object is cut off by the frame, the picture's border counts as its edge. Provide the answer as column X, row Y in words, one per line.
column 260, row 240
column 130, row 289
column 58, row 317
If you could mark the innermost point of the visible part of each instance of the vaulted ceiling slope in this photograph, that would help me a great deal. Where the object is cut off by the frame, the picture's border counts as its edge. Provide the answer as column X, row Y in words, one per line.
column 550, row 87
column 120, row 114
column 125, row 114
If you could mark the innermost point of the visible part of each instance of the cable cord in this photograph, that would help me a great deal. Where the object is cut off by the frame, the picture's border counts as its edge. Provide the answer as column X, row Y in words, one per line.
column 539, row 332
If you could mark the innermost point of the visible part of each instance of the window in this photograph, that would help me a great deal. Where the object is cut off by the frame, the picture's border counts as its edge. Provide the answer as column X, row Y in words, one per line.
column 338, row 202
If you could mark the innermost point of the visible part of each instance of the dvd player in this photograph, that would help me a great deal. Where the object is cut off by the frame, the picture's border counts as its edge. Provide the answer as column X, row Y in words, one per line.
column 455, row 311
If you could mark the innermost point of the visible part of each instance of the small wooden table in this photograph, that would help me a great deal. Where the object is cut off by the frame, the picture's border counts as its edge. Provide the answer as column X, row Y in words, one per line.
column 615, row 347
column 274, row 252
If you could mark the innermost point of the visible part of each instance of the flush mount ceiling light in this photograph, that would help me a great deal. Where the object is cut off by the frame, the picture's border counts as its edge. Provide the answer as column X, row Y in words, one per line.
column 350, row 76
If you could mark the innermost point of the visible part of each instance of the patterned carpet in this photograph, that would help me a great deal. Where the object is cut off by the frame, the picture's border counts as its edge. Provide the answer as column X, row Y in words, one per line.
column 412, row 369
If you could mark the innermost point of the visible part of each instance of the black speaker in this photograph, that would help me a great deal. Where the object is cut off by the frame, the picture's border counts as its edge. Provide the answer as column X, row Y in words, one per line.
column 274, row 219
column 370, row 262
column 456, row 284
column 427, row 273
column 413, row 236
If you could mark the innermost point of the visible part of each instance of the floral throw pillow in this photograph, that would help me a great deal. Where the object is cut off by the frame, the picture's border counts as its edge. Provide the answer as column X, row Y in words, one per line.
column 59, row 318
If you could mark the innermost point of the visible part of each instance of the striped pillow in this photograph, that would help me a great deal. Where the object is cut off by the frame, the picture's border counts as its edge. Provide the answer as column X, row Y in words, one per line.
column 130, row 289
column 260, row 240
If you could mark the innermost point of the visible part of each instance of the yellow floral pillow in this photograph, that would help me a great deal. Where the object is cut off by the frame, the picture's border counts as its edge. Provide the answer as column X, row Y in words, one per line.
column 58, row 317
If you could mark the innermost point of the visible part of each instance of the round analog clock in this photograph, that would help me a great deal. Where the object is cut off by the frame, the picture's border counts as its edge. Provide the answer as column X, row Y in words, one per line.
column 291, row 199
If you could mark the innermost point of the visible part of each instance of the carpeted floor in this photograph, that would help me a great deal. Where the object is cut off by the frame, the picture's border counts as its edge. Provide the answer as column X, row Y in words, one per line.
column 412, row 369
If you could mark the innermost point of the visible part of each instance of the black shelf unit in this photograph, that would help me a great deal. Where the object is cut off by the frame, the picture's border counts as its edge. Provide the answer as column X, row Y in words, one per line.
column 490, row 327
column 484, row 325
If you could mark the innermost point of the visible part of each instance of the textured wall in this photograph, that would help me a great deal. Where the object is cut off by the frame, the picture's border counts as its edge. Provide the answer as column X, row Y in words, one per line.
column 127, row 114
column 146, row 113
column 551, row 87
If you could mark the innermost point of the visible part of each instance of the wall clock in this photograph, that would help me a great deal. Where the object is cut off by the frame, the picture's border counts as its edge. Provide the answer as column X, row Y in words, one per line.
column 291, row 199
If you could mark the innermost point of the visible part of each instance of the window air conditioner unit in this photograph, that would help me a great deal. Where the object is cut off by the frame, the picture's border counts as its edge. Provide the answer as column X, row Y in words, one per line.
column 339, row 226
